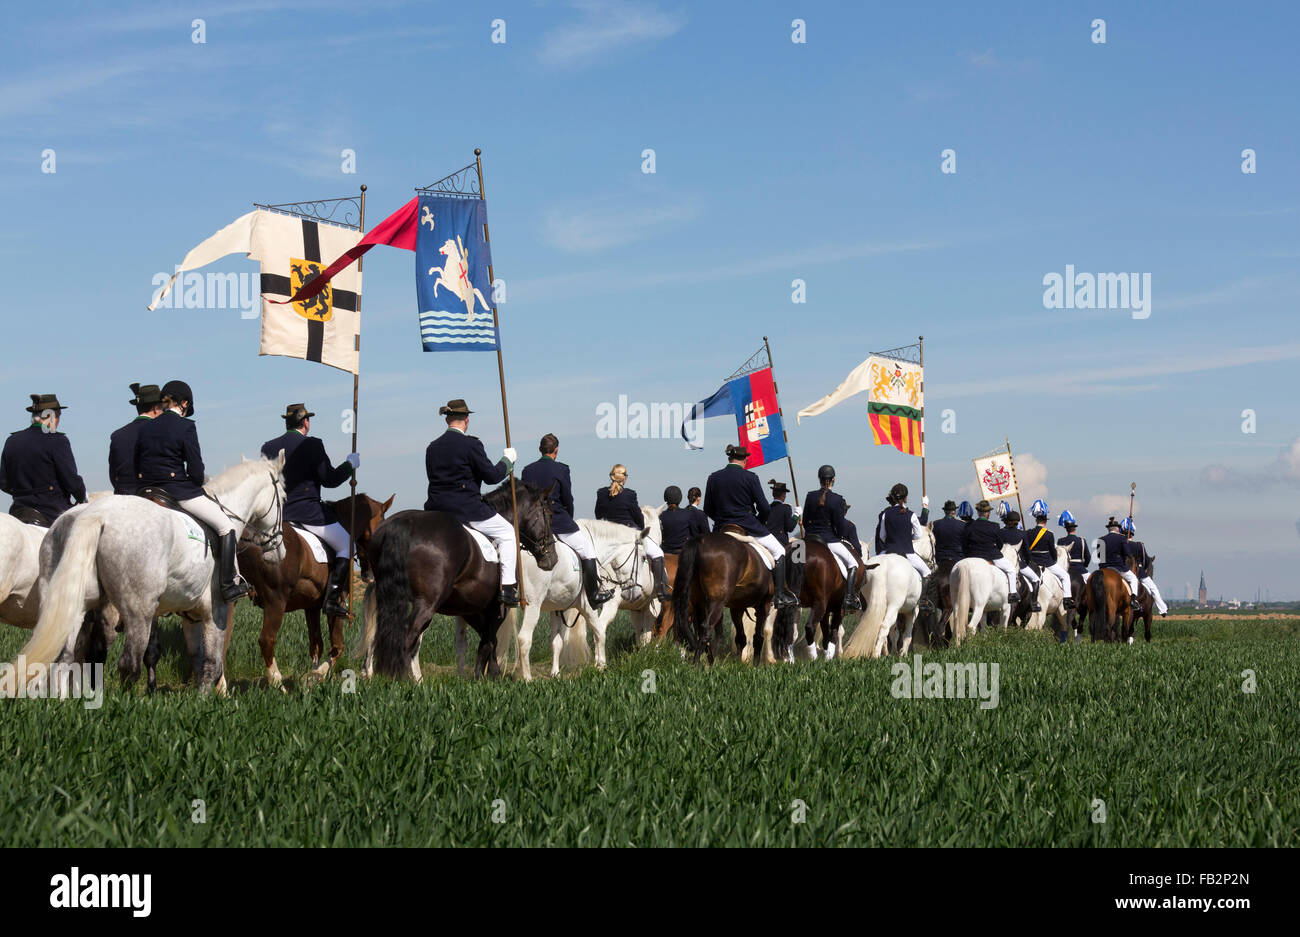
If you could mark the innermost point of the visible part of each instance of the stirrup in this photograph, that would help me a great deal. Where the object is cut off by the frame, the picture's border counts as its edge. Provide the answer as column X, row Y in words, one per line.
column 785, row 599
column 237, row 589
column 510, row 596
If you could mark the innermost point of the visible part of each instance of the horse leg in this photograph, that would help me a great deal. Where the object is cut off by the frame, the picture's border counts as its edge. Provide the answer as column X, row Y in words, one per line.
column 272, row 618
column 152, row 653
column 769, row 628
column 216, row 630
column 315, row 643
column 601, row 629
column 135, row 638
column 905, row 643
column 532, row 612
column 462, row 645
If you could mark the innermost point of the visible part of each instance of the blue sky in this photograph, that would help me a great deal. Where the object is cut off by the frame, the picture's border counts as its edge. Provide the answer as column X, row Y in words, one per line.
column 774, row 161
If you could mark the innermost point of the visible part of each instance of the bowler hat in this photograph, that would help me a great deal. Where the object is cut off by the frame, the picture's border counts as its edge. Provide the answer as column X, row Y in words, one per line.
column 43, row 402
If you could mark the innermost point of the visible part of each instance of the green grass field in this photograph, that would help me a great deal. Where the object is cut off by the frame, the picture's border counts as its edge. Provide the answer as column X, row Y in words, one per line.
column 1163, row 734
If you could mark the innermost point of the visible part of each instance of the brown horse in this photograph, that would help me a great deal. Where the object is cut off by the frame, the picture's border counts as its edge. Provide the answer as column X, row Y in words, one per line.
column 298, row 583
column 820, row 587
column 1145, row 599
column 425, row 563
column 1106, row 601
column 716, row 572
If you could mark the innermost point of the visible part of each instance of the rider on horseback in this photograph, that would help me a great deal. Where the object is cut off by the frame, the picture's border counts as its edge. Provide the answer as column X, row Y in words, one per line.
column 167, row 456
column 1012, row 534
column 457, row 465
column 965, row 513
column 306, row 470
column 121, row 444
column 549, row 472
column 1142, row 560
column 1112, row 553
column 733, row 495
column 823, row 517
column 782, row 517
column 618, row 505
column 898, row 528
column 982, row 539
column 1076, row 548
column 1040, row 547
column 37, row 466
column 674, row 523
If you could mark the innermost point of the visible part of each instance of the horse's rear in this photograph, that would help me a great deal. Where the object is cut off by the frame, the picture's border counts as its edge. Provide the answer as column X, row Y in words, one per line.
column 20, row 547
column 716, row 572
column 1108, row 606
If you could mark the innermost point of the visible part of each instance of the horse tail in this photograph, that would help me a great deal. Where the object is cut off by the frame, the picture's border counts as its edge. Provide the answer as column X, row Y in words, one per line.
column 574, row 651
column 63, row 607
column 960, row 601
column 862, row 643
column 393, row 598
column 508, row 636
column 368, row 619
column 687, row 560
column 1099, row 615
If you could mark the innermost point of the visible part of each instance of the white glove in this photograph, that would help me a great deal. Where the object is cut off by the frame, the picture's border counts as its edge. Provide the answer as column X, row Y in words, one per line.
column 511, row 455
column 925, row 501
column 794, row 511
column 354, row 460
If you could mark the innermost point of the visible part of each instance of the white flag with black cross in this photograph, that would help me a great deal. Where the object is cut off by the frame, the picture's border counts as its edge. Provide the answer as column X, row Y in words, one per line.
column 291, row 250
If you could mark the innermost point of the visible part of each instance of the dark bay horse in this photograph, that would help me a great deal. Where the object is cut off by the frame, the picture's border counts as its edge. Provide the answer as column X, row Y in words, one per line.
column 716, row 572
column 1145, row 599
column 1107, row 604
column 425, row 563
column 820, row 587
column 298, row 583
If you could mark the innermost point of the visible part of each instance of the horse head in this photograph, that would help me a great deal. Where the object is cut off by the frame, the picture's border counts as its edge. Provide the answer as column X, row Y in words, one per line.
column 534, row 512
column 651, row 526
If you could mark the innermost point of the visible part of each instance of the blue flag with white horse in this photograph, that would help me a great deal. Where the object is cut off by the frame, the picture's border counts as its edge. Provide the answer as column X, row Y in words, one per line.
column 451, row 275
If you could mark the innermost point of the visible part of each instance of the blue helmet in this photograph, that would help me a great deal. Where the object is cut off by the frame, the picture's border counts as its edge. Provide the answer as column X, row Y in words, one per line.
column 1067, row 520
column 1126, row 525
column 1003, row 509
column 1039, row 508
column 965, row 511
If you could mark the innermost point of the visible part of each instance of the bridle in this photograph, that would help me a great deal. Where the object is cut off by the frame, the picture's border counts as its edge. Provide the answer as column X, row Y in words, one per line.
column 267, row 542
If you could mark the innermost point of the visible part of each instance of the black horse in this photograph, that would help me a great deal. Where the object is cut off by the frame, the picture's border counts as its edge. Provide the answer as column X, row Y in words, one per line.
column 424, row 563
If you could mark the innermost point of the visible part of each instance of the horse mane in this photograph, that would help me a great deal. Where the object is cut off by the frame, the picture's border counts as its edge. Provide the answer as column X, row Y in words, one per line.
column 235, row 476
column 499, row 498
column 609, row 531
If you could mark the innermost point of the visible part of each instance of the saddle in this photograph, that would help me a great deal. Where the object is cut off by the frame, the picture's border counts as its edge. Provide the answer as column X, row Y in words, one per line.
column 161, row 498
column 320, row 550
column 28, row 515
column 739, row 533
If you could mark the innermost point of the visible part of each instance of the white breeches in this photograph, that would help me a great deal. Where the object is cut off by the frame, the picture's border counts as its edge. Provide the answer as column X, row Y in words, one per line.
column 652, row 549
column 844, row 553
column 772, row 545
column 1063, row 575
column 579, row 542
column 1131, row 580
column 1031, row 577
column 1008, row 567
column 333, row 534
column 918, row 564
column 1150, row 584
column 497, row 529
column 206, row 510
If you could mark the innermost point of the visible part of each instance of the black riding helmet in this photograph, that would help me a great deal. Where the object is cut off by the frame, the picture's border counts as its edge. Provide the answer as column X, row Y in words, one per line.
column 672, row 495
column 178, row 391
column 826, row 473
column 898, row 494
column 1011, row 519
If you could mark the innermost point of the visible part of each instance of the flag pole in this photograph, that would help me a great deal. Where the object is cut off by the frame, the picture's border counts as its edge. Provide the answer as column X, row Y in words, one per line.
column 1011, row 459
column 356, row 386
column 1132, row 490
column 501, row 373
column 921, row 343
column 794, row 485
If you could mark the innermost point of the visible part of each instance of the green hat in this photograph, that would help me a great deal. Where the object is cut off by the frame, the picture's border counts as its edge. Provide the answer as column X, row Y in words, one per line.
column 297, row 411
column 43, row 402
column 146, row 395
column 457, row 407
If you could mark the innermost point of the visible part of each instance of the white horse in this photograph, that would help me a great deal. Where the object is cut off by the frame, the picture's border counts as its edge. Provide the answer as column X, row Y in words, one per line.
column 454, row 275
column 977, row 586
column 20, row 549
column 1051, row 597
column 891, row 593
column 623, row 565
column 138, row 560
column 556, row 590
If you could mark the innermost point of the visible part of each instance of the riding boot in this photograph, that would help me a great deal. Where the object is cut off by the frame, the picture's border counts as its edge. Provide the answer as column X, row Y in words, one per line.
column 1134, row 603
column 510, row 596
column 781, row 596
column 661, row 577
column 852, row 602
column 334, row 606
column 1069, row 603
column 232, row 587
column 591, row 584
column 1035, row 607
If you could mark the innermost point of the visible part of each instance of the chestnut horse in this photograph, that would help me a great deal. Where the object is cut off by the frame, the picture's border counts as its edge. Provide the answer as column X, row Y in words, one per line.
column 297, row 583
column 425, row 563
column 1106, row 600
column 714, row 572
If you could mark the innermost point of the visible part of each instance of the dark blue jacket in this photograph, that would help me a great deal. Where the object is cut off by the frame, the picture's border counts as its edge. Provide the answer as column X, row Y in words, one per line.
column 38, row 469
column 851, row 536
column 121, row 456
column 1077, row 549
column 699, row 522
column 824, row 520
column 734, row 495
column 896, row 530
column 1045, row 553
column 546, row 472
column 307, row 470
column 982, row 539
column 1112, row 551
column 948, row 532
column 1138, row 551
column 677, row 528
column 458, row 466
column 619, row 509
column 167, row 454
column 780, row 521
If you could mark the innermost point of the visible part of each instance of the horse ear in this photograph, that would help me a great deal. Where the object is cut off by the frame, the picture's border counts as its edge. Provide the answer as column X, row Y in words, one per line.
column 389, row 503
column 549, row 489
column 279, row 460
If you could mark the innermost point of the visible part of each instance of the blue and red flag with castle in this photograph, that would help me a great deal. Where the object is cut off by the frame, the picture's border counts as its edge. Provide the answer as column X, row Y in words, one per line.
column 751, row 398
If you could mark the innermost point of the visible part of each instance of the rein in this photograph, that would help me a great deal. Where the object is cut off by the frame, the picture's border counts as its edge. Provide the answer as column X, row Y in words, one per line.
column 267, row 542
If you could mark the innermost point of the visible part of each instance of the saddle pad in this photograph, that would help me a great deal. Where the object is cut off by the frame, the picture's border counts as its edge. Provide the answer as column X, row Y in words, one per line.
column 839, row 563
column 563, row 550
column 314, row 543
column 754, row 544
column 484, row 545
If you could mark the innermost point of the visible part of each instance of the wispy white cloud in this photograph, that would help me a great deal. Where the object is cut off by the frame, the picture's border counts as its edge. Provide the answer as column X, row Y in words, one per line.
column 612, row 225
column 604, row 27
